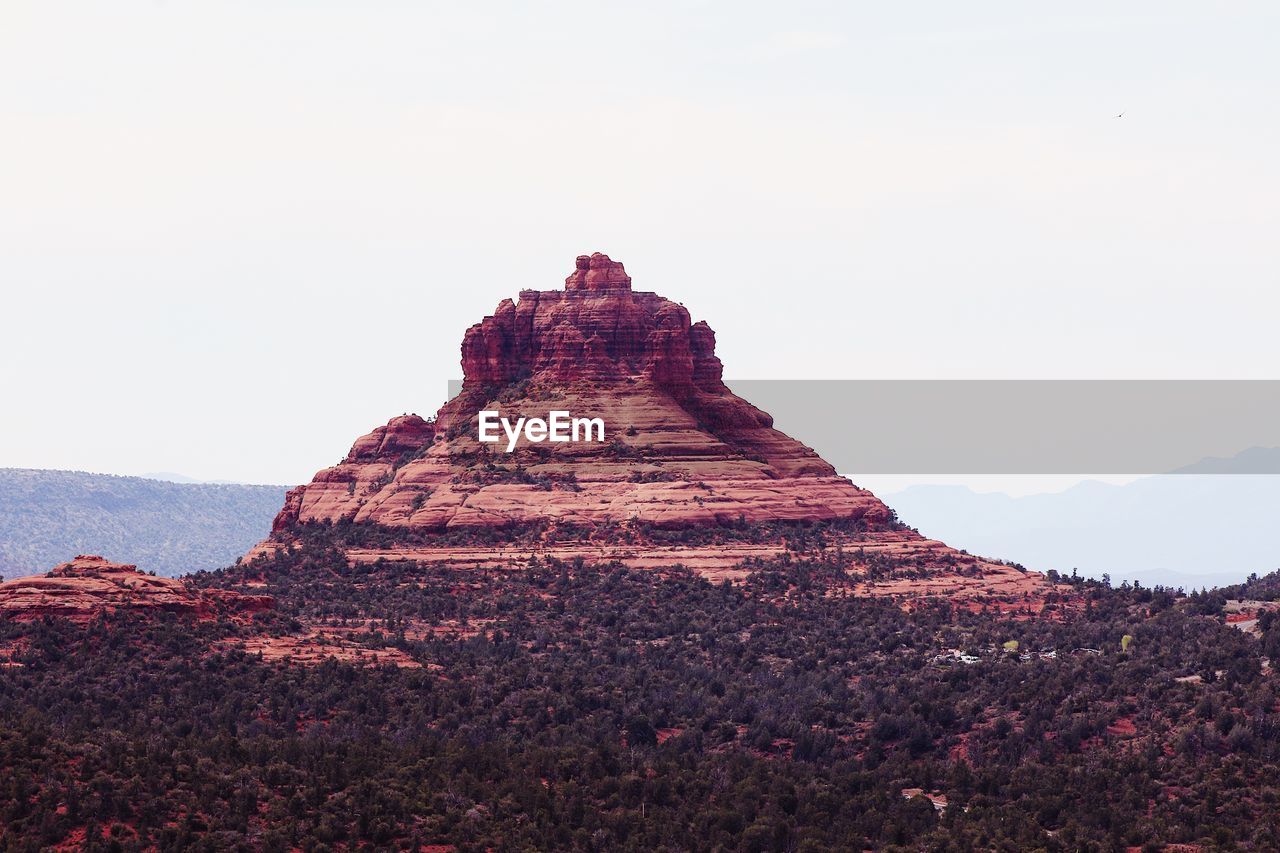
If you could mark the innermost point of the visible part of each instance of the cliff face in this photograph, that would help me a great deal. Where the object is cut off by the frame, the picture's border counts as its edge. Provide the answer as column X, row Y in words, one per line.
column 596, row 328
column 681, row 449
column 90, row 585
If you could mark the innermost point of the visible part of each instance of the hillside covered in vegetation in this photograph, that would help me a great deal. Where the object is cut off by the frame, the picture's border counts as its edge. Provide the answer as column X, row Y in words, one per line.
column 558, row 705
column 48, row 517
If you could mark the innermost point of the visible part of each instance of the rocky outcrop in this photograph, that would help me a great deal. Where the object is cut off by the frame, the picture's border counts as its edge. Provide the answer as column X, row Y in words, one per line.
column 370, row 458
column 596, row 328
column 681, row 449
column 91, row 585
column 406, row 434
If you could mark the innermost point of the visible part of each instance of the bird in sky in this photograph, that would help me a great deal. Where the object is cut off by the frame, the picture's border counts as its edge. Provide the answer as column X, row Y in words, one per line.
column 1121, row 114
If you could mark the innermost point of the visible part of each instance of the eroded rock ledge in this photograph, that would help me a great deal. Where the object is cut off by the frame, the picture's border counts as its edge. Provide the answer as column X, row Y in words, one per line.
column 91, row 585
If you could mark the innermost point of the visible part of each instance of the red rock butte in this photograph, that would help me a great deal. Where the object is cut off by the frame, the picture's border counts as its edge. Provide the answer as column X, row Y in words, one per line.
column 681, row 450
column 90, row 585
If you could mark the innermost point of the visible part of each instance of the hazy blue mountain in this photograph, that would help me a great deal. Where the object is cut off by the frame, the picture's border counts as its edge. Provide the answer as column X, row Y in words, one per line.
column 47, row 517
column 1255, row 460
column 173, row 477
column 1187, row 530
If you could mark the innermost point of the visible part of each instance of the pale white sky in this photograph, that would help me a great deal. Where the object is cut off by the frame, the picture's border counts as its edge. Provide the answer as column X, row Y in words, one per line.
column 236, row 235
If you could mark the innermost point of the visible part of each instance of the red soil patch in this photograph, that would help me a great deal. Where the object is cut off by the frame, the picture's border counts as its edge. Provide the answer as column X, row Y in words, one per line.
column 313, row 649
column 1123, row 727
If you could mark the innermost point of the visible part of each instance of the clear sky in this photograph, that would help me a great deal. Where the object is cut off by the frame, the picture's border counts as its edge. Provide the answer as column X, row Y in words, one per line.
column 236, row 235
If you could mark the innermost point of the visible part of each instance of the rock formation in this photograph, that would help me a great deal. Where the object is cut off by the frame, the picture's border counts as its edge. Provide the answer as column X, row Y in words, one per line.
column 681, row 450
column 91, row 585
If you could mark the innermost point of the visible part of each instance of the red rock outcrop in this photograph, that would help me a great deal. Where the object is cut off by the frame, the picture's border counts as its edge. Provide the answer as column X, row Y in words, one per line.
column 90, row 585
column 681, row 450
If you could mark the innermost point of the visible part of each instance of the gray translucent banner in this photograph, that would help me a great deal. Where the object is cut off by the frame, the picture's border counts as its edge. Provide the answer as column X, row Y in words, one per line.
column 1040, row 427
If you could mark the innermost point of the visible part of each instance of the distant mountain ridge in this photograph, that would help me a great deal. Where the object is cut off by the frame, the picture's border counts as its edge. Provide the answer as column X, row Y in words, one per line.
column 47, row 517
column 1254, row 460
column 1186, row 530
column 174, row 477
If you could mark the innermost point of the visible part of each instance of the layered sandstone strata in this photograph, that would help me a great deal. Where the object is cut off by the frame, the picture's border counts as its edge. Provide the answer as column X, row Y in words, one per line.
column 681, row 453
column 681, row 449
column 91, row 585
